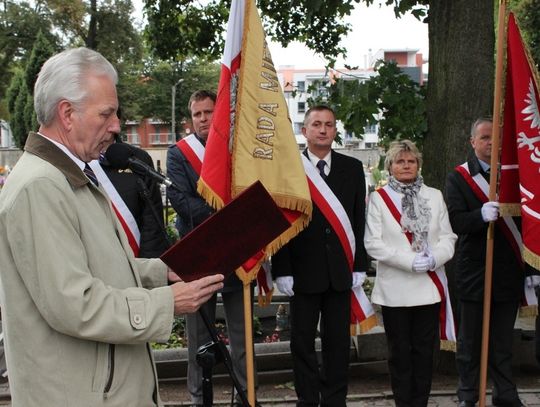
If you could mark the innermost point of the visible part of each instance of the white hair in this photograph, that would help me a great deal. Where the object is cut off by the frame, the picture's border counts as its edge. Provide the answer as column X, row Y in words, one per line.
column 62, row 77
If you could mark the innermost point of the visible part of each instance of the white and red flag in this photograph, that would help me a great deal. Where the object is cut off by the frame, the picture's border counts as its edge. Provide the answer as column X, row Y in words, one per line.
column 251, row 137
column 519, row 189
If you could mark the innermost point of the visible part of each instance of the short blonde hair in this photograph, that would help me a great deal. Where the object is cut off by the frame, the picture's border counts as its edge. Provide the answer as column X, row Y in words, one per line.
column 398, row 147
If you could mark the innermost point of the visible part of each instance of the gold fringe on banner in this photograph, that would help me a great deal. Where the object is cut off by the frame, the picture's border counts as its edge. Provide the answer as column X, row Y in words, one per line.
column 448, row 345
column 528, row 311
column 265, row 300
column 213, row 199
column 364, row 326
column 510, row 209
column 531, row 258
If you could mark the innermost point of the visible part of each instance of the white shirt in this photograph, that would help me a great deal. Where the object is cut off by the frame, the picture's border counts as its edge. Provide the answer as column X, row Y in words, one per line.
column 327, row 159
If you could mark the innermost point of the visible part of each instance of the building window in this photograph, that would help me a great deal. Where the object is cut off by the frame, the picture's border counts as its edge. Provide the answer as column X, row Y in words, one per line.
column 301, row 107
column 134, row 135
column 371, row 128
column 301, row 86
column 298, row 127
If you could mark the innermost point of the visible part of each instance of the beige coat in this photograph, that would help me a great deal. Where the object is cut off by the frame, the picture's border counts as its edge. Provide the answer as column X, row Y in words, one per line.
column 396, row 284
column 76, row 318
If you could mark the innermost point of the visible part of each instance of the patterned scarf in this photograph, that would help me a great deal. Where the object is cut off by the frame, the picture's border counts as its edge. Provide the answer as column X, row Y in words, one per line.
column 416, row 212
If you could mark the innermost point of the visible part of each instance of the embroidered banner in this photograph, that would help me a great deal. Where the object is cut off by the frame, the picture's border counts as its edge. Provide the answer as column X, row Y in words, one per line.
column 519, row 189
column 251, row 136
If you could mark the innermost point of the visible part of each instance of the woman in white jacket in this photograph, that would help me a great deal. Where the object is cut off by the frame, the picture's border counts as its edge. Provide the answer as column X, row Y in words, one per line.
column 409, row 234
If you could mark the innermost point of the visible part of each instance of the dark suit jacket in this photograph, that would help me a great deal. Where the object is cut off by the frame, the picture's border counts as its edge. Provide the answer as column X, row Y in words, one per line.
column 153, row 242
column 191, row 208
column 315, row 258
column 464, row 210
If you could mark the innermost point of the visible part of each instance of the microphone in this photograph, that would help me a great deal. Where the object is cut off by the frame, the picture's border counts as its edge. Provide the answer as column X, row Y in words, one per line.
column 121, row 156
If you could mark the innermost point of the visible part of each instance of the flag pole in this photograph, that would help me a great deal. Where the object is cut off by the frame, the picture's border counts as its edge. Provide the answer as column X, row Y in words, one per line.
column 248, row 332
column 495, row 142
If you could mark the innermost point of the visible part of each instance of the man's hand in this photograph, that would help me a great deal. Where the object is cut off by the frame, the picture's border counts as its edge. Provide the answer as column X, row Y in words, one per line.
column 490, row 211
column 358, row 278
column 285, row 285
column 188, row 297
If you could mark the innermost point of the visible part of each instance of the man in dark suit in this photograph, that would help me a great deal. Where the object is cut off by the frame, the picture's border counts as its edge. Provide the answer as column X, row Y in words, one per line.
column 470, row 212
column 142, row 196
column 313, row 270
column 192, row 210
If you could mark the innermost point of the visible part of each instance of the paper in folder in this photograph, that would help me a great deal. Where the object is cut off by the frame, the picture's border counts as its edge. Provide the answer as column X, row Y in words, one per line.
column 229, row 237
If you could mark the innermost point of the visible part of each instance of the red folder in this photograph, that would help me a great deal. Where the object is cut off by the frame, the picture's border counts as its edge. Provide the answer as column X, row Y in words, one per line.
column 229, row 237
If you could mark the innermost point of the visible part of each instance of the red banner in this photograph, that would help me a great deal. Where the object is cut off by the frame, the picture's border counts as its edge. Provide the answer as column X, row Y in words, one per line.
column 519, row 190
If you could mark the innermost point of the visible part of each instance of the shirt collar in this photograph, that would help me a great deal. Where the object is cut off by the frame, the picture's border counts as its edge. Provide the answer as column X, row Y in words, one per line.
column 485, row 166
column 314, row 159
column 80, row 163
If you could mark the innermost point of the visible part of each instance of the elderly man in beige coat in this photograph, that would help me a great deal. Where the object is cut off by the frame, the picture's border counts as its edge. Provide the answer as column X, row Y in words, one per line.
column 77, row 319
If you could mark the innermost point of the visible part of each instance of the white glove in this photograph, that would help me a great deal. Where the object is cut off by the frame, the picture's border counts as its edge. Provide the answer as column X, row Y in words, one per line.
column 432, row 262
column 358, row 278
column 490, row 211
column 421, row 263
column 532, row 281
column 285, row 285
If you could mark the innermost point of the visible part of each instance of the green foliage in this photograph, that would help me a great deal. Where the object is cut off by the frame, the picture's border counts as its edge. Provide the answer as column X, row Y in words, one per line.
column 19, row 23
column 41, row 51
column 179, row 30
column 402, row 105
column 14, row 90
column 159, row 78
column 317, row 23
column 528, row 17
column 30, row 119
column 18, row 117
column 391, row 99
column 178, row 336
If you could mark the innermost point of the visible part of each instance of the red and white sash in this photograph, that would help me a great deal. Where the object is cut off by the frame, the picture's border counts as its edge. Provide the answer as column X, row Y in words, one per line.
column 506, row 224
column 124, row 215
column 447, row 326
column 362, row 314
column 193, row 150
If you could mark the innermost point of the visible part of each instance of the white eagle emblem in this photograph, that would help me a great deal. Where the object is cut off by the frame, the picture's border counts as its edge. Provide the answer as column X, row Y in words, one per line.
column 533, row 115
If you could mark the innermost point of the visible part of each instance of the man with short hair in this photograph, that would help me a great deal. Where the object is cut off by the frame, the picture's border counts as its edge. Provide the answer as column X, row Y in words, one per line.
column 313, row 269
column 77, row 318
column 184, row 160
column 470, row 212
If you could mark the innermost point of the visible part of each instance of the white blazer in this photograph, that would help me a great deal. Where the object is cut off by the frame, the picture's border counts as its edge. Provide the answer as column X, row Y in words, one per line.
column 396, row 284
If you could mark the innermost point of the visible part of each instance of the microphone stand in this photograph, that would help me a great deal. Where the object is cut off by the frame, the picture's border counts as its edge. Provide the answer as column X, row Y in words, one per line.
column 208, row 356
column 214, row 352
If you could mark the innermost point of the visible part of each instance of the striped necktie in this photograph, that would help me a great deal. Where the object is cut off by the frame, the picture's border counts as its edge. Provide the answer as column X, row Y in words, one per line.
column 90, row 174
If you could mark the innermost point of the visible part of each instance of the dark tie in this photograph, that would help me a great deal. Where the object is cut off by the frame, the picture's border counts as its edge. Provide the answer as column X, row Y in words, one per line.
column 320, row 166
column 90, row 174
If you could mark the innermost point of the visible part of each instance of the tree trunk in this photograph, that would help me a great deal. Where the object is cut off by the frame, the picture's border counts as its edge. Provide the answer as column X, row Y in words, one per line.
column 460, row 87
column 91, row 39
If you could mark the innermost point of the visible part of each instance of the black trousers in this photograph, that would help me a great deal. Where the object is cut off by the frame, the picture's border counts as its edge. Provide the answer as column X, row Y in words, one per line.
column 412, row 333
column 503, row 317
column 327, row 386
